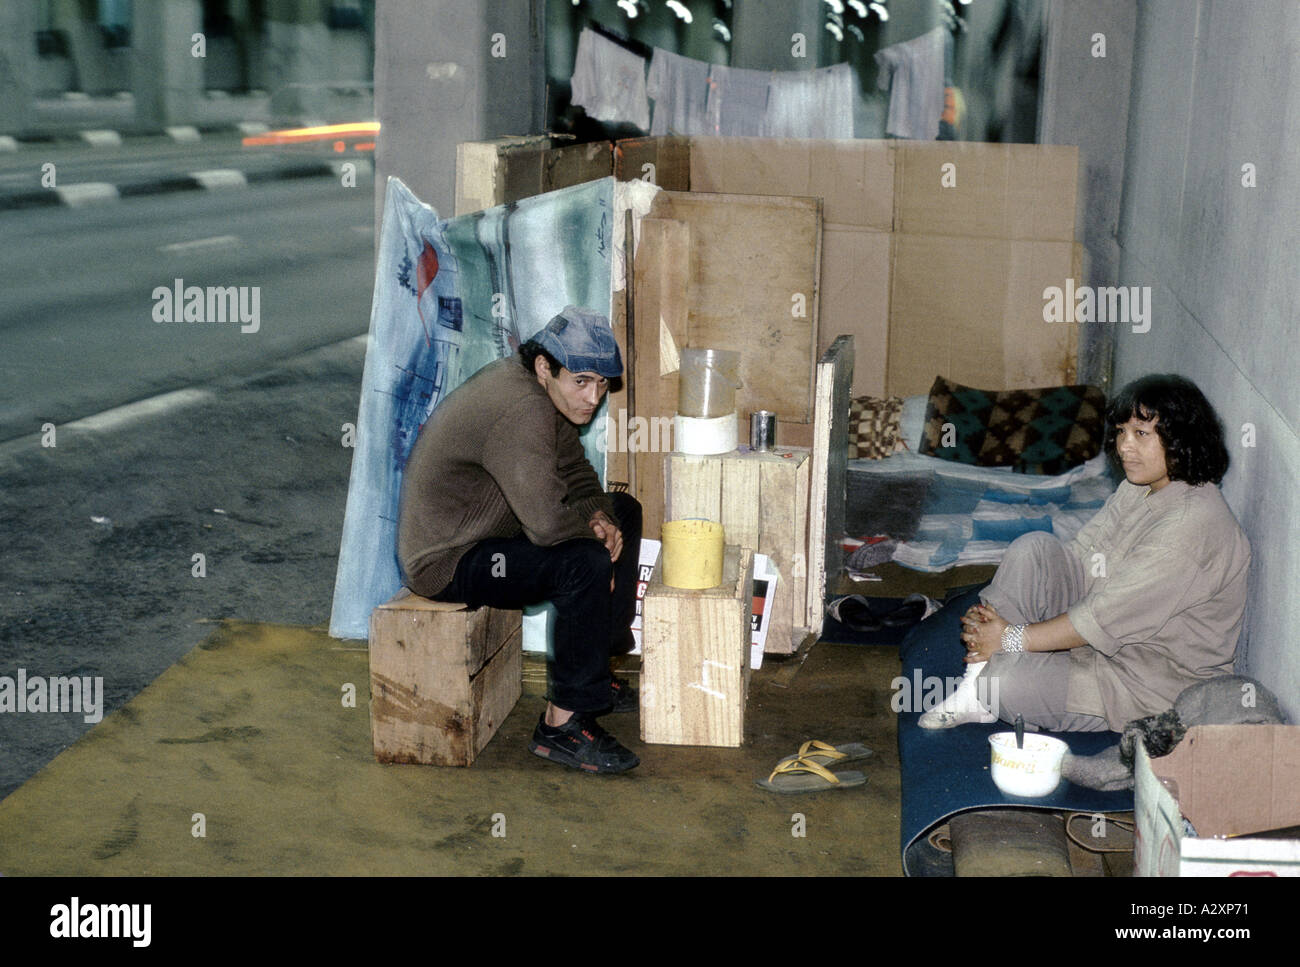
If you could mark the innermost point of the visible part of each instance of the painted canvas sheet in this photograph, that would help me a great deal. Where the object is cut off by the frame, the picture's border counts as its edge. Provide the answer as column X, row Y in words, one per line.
column 452, row 295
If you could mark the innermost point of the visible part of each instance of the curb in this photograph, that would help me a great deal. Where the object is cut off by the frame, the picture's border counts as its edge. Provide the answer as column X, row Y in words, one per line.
column 87, row 193
column 108, row 138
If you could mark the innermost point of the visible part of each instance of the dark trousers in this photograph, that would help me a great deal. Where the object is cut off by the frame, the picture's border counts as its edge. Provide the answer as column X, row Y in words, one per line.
column 591, row 624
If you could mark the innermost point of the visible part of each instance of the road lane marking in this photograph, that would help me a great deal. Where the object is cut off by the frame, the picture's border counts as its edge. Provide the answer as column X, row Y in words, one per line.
column 121, row 415
column 212, row 242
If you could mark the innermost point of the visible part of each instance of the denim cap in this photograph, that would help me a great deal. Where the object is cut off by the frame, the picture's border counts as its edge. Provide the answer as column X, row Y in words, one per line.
column 582, row 342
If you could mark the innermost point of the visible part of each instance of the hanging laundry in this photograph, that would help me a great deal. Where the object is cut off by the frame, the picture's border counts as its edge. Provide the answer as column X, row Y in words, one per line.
column 913, row 73
column 737, row 103
column 679, row 87
column 609, row 81
column 811, row 104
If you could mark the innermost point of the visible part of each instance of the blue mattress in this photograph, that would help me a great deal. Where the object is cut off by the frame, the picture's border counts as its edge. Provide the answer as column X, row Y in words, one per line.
column 947, row 772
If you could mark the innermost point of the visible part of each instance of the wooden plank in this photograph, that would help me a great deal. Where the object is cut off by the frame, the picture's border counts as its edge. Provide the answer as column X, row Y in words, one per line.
column 754, row 288
column 741, row 499
column 495, row 690
column 616, row 457
column 799, row 569
column 695, row 663
column 761, row 500
column 830, row 455
column 661, row 267
column 781, row 512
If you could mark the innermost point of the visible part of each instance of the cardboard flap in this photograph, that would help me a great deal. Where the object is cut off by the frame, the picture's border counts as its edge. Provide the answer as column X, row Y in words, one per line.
column 1236, row 779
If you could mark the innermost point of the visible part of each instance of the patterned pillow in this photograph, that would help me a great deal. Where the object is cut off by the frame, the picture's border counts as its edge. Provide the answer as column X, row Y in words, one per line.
column 1042, row 431
column 874, row 427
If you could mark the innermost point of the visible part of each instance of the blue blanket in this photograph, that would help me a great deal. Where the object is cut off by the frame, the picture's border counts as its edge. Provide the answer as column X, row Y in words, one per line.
column 968, row 515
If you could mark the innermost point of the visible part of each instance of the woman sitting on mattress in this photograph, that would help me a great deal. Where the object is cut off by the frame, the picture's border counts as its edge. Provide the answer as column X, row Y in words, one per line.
column 1147, row 599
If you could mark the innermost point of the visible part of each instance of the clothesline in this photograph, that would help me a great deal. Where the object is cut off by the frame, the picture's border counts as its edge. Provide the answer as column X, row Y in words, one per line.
column 693, row 97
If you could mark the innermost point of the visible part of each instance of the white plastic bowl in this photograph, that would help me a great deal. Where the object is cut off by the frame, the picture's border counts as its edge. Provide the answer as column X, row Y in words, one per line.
column 1032, row 771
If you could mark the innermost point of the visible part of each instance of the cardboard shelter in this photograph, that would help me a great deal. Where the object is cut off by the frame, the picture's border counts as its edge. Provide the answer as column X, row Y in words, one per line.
column 933, row 257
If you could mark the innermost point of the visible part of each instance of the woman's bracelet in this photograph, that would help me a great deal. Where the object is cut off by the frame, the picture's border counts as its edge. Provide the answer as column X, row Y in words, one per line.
column 1013, row 639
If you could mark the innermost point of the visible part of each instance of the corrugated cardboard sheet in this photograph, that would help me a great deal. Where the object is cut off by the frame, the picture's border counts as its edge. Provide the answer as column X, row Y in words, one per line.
column 935, row 255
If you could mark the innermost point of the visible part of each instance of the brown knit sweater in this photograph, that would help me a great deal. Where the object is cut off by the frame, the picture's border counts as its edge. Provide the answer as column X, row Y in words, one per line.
column 495, row 459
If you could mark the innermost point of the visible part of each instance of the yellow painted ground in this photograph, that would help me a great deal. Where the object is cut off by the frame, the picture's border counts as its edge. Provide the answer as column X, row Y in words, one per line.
column 250, row 730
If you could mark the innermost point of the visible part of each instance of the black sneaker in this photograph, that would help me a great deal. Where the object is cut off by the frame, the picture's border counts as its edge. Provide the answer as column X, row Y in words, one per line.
column 625, row 696
column 581, row 743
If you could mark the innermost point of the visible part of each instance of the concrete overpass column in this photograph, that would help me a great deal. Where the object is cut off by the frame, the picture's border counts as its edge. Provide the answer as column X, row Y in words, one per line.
column 166, row 77
column 17, row 66
column 298, row 59
column 448, row 71
column 762, row 35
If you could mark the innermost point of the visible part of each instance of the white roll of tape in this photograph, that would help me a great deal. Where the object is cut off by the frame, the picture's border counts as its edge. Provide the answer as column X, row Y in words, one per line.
column 704, row 436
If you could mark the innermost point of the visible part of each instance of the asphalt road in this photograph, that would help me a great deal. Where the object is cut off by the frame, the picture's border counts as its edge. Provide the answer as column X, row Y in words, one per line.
column 77, row 310
column 246, row 466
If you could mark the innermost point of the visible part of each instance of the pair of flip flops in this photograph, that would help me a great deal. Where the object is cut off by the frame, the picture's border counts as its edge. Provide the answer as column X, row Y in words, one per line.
column 809, row 769
column 856, row 613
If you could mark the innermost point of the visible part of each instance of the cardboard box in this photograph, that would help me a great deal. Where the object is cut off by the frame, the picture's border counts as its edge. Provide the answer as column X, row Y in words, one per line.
column 695, row 658
column 855, row 179
column 1013, row 191
column 971, row 310
column 1227, row 781
column 752, row 287
column 873, row 194
column 490, row 173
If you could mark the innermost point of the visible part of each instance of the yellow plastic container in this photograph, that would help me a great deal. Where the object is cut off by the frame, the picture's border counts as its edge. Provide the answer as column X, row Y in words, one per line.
column 692, row 554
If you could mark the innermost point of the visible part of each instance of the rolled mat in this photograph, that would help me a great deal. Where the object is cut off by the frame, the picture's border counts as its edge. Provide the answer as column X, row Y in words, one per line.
column 946, row 772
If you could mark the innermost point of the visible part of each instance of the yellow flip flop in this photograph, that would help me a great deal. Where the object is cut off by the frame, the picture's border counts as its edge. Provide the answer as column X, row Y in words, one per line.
column 823, row 753
column 802, row 775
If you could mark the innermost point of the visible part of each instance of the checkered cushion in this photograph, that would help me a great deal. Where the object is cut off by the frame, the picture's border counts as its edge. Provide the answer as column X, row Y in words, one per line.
column 1043, row 431
column 874, row 427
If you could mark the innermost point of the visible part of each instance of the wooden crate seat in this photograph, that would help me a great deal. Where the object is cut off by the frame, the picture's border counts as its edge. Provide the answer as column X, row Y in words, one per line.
column 442, row 678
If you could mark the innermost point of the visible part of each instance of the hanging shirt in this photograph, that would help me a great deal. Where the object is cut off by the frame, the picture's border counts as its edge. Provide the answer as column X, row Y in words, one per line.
column 609, row 81
column 737, row 103
column 913, row 73
column 810, row 104
column 680, row 89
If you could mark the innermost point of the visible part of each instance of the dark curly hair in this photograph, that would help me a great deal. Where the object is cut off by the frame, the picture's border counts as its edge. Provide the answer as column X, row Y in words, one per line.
column 529, row 352
column 1187, row 426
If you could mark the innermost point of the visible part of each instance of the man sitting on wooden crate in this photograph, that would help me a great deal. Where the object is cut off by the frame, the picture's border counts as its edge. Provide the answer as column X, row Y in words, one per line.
column 500, row 508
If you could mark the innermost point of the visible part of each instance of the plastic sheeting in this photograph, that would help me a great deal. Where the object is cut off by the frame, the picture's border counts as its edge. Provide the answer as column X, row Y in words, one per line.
column 452, row 295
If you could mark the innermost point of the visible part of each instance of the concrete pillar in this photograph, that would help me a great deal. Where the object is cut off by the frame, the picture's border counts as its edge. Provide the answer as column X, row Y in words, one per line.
column 762, row 35
column 167, row 78
column 17, row 66
column 298, row 60
column 1076, row 79
column 448, row 71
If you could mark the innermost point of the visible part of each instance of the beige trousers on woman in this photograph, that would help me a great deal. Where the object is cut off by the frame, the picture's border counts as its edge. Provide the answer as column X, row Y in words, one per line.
column 1037, row 580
